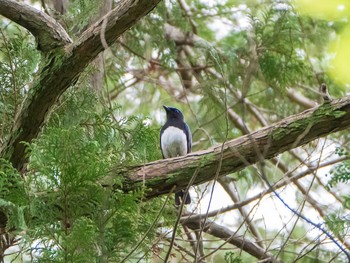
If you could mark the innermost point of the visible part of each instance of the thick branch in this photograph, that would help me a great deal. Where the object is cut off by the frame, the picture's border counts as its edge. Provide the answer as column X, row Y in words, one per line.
column 160, row 176
column 47, row 31
column 63, row 70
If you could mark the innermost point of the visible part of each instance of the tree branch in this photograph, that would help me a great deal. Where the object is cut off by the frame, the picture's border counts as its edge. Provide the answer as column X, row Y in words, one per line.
column 300, row 99
column 224, row 233
column 294, row 131
column 47, row 31
column 63, row 70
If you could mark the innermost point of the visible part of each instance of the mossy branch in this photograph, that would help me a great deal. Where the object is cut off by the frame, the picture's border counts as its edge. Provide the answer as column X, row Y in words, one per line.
column 160, row 176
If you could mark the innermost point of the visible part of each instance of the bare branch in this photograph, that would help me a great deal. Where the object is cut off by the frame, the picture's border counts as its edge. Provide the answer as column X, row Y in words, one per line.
column 300, row 99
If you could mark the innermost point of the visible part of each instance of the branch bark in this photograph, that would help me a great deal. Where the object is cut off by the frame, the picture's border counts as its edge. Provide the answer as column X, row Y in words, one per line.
column 294, row 131
column 63, row 69
column 47, row 31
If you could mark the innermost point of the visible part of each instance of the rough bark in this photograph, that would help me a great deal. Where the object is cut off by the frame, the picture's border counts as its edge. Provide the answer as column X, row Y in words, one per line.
column 160, row 176
column 48, row 32
column 63, row 68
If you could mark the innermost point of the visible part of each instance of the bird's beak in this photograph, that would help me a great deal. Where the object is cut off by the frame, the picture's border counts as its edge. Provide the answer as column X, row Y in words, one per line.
column 166, row 108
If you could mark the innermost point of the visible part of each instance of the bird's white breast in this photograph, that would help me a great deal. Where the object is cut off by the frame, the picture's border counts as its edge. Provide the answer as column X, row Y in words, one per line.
column 173, row 142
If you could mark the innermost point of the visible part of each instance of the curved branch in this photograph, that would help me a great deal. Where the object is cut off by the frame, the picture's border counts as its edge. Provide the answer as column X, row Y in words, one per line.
column 47, row 31
column 160, row 176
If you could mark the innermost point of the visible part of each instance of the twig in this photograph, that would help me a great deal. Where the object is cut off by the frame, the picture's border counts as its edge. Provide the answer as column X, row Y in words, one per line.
column 318, row 226
column 150, row 228
column 267, row 191
column 220, row 162
column 179, row 216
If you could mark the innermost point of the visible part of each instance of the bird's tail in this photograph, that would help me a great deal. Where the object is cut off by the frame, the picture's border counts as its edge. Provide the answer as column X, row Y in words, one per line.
column 179, row 197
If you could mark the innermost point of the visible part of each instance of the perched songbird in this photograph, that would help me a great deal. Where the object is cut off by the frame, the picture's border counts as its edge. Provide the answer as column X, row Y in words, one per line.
column 175, row 140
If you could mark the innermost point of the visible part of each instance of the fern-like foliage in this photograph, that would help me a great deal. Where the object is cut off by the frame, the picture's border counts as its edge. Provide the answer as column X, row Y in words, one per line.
column 19, row 61
column 341, row 172
column 77, row 219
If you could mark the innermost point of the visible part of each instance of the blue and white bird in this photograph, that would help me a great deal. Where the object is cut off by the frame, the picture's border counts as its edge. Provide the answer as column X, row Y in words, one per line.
column 176, row 140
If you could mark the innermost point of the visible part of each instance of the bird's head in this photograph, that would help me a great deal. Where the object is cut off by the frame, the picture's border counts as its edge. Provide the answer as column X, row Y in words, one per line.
column 173, row 113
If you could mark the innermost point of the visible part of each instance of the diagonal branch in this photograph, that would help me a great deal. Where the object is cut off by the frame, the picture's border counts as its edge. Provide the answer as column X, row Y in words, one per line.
column 294, row 131
column 224, row 233
column 63, row 69
column 47, row 31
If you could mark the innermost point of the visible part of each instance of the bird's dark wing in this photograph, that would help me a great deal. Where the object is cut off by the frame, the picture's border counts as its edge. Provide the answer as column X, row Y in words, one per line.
column 189, row 138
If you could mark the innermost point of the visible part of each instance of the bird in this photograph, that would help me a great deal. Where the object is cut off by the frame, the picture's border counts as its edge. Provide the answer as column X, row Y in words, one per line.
column 176, row 140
